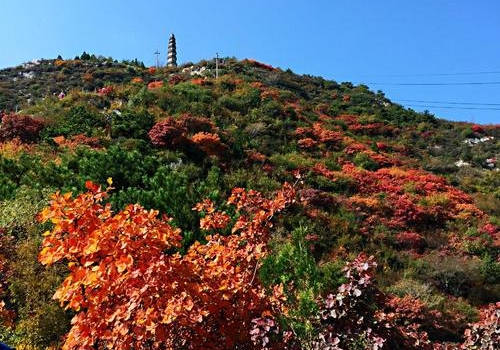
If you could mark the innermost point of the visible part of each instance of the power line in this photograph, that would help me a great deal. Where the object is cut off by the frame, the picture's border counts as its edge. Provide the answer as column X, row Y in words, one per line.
column 455, row 107
column 453, row 103
column 432, row 74
column 437, row 84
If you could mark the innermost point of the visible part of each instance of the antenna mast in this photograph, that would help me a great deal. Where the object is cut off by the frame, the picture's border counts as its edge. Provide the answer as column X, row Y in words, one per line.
column 216, row 65
column 157, row 54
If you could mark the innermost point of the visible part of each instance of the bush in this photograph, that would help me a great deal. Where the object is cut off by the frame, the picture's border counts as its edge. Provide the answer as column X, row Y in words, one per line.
column 420, row 290
column 23, row 127
column 364, row 161
column 131, row 124
column 40, row 322
column 78, row 120
column 168, row 134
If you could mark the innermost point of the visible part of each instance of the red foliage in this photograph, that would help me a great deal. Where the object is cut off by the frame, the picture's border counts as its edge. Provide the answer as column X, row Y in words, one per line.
column 326, row 136
column 493, row 231
column 76, row 140
column 355, row 148
column 271, row 93
column 256, row 157
column 173, row 133
column 175, row 79
column 407, row 316
column 484, row 334
column 403, row 199
column 490, row 229
column 355, row 126
column 317, row 133
column 105, row 91
column 257, row 85
column 259, row 64
column 382, row 159
column 130, row 291
column 152, row 70
column 307, row 143
column 213, row 220
column 349, row 314
column 155, row 84
column 167, row 133
column 195, row 124
column 477, row 128
column 411, row 240
column 381, row 146
column 23, row 127
column 200, row 81
column 137, row 80
column 209, row 143
column 372, row 129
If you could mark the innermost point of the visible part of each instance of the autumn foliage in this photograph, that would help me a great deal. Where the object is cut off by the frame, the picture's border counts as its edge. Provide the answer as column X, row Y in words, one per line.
column 106, row 91
column 155, row 85
column 209, row 143
column 259, row 64
column 391, row 240
column 414, row 198
column 167, row 133
column 485, row 333
column 131, row 289
column 187, row 132
column 23, row 127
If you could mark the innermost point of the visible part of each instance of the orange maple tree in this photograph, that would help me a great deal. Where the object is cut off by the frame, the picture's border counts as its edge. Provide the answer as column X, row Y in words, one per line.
column 209, row 143
column 129, row 286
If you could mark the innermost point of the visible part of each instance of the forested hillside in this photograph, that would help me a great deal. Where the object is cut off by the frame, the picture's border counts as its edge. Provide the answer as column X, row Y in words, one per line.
column 161, row 208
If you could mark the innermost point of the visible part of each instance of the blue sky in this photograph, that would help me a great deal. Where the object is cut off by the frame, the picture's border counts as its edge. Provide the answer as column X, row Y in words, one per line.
column 356, row 40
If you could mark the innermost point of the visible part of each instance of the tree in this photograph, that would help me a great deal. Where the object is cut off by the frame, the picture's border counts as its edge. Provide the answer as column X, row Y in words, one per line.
column 85, row 56
column 131, row 289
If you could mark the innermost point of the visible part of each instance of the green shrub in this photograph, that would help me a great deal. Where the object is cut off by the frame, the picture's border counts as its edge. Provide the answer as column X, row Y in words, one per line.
column 40, row 320
column 131, row 124
column 291, row 161
column 292, row 262
column 364, row 161
column 78, row 120
column 417, row 289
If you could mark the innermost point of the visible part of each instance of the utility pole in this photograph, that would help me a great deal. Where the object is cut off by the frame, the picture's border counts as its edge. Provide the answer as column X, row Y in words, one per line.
column 216, row 65
column 157, row 53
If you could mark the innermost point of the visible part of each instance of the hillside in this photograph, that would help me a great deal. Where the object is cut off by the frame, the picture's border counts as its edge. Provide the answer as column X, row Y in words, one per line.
column 304, row 213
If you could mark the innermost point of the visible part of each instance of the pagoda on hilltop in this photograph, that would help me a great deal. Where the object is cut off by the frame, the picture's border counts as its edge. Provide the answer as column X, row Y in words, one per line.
column 172, row 52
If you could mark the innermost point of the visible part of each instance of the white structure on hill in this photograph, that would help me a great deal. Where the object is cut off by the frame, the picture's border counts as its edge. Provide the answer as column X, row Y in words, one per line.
column 172, row 52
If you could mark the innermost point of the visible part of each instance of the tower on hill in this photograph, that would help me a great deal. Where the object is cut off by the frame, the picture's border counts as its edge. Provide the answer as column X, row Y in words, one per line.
column 172, row 52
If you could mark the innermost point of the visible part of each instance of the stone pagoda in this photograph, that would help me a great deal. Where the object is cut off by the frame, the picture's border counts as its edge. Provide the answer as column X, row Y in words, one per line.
column 172, row 52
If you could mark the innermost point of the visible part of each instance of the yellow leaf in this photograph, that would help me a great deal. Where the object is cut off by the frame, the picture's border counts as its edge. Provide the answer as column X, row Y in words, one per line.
column 109, row 181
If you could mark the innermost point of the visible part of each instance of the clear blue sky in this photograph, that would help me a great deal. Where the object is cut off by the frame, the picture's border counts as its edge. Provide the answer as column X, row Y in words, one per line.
column 357, row 40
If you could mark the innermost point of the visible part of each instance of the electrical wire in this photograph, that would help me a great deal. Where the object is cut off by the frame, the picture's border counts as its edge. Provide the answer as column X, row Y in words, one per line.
column 455, row 107
column 436, row 84
column 453, row 103
column 431, row 74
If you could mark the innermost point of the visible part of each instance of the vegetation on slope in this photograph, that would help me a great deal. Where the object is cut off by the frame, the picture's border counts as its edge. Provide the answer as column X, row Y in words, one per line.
column 328, row 214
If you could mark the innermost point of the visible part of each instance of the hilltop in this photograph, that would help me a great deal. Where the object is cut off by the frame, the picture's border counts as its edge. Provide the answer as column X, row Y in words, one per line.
column 330, row 214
